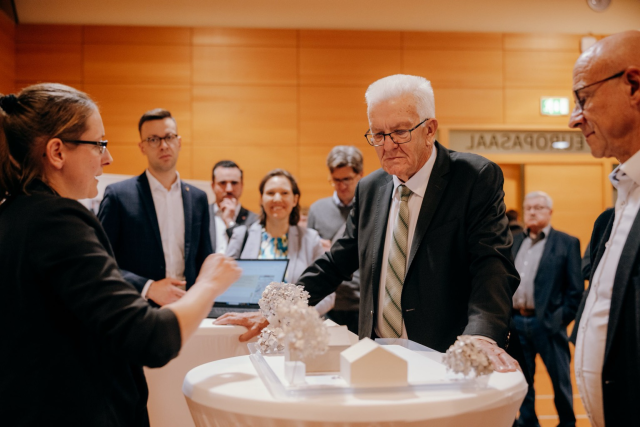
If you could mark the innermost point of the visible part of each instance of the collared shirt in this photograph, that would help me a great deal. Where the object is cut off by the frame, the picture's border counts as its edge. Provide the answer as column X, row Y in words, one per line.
column 339, row 203
column 222, row 239
column 592, row 334
column 170, row 214
column 418, row 186
column 527, row 262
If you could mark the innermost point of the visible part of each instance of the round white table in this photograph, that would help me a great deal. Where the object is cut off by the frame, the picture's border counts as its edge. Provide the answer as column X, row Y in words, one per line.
column 230, row 393
column 166, row 404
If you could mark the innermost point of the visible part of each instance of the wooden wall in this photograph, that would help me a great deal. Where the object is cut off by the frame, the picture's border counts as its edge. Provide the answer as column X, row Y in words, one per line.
column 283, row 98
column 7, row 54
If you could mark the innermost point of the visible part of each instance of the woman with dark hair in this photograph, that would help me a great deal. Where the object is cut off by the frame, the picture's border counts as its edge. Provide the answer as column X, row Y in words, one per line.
column 75, row 335
column 277, row 235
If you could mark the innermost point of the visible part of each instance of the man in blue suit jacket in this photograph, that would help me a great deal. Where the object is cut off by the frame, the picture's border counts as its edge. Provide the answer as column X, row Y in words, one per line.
column 546, row 301
column 158, row 225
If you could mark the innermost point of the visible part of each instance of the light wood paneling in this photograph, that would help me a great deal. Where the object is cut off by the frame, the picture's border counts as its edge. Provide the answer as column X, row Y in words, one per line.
column 253, row 37
column 576, row 191
column 254, row 160
column 49, row 34
column 7, row 55
column 539, row 69
column 332, row 116
column 347, row 67
column 456, row 69
column 60, row 63
column 244, row 65
column 245, row 115
column 137, row 64
column 350, row 39
column 157, row 36
column 542, row 42
column 468, row 106
column 452, row 41
column 522, row 106
column 121, row 118
column 128, row 160
column 512, row 187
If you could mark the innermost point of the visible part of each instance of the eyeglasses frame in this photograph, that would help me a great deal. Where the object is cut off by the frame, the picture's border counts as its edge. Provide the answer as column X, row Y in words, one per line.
column 384, row 135
column 101, row 144
column 161, row 139
column 576, row 91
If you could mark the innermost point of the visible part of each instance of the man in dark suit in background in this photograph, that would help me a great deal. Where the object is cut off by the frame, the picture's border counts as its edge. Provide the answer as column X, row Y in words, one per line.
column 606, row 84
column 428, row 231
column 545, row 303
column 158, row 225
column 226, row 213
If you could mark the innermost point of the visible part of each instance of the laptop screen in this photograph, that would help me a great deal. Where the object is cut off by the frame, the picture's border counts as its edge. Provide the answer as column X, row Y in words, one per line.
column 256, row 276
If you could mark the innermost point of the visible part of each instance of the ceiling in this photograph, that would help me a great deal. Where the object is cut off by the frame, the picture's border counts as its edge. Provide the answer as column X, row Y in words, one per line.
column 553, row 16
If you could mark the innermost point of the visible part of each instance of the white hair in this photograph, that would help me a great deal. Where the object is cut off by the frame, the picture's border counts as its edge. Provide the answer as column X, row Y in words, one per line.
column 542, row 194
column 400, row 84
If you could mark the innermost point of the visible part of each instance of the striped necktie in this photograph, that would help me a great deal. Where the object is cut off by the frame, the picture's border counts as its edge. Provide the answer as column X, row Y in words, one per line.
column 396, row 265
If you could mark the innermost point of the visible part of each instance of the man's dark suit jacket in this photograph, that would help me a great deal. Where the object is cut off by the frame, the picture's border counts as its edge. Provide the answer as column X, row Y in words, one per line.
column 129, row 217
column 245, row 217
column 460, row 277
column 558, row 285
column 621, row 370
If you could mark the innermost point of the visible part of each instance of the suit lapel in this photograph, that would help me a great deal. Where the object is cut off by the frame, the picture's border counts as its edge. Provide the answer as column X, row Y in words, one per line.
column 437, row 184
column 147, row 200
column 623, row 275
column 383, row 204
column 540, row 288
column 212, row 227
column 188, row 221
column 294, row 248
column 517, row 242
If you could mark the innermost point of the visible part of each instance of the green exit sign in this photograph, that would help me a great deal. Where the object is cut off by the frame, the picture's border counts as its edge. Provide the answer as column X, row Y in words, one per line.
column 554, row 106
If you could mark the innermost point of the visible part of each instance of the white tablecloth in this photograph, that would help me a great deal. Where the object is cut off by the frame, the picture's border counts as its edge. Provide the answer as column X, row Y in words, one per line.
column 167, row 407
column 230, row 393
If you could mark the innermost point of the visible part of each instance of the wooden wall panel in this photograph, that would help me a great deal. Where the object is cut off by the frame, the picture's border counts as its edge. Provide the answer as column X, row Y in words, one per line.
column 456, row 68
column 137, row 64
column 121, row 106
column 7, row 55
column 49, row 34
column 350, row 39
column 513, row 187
column 469, row 106
column 452, row 41
column 347, row 67
column 255, row 37
column 245, row 115
column 542, row 42
column 60, row 63
column 522, row 106
column 255, row 161
column 156, row 36
column 539, row 69
column 244, row 65
column 576, row 191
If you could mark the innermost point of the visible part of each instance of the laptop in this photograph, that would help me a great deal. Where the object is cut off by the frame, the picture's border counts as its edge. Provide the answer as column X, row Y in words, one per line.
column 244, row 294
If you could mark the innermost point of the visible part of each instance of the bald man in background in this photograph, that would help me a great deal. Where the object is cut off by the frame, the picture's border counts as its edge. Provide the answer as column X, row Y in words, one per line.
column 606, row 84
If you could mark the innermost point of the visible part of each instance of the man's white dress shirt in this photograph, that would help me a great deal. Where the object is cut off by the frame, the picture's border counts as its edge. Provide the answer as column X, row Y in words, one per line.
column 592, row 333
column 418, row 186
column 170, row 213
column 222, row 240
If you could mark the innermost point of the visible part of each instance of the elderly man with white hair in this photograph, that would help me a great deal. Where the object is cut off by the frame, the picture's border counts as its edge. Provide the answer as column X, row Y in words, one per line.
column 546, row 302
column 428, row 232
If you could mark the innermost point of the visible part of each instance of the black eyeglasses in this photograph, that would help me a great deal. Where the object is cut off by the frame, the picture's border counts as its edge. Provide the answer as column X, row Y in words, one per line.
column 101, row 144
column 580, row 101
column 156, row 141
column 400, row 136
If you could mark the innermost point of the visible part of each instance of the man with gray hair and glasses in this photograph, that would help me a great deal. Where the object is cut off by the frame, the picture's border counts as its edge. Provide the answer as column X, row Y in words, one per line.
column 158, row 225
column 606, row 84
column 428, row 232
column 329, row 218
column 546, row 301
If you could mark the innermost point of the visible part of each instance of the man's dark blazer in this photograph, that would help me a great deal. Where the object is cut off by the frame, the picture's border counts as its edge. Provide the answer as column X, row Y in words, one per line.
column 621, row 370
column 558, row 285
column 245, row 217
column 129, row 217
column 460, row 277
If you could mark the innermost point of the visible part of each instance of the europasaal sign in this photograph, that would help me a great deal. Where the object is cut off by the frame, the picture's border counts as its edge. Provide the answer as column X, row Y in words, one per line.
column 513, row 142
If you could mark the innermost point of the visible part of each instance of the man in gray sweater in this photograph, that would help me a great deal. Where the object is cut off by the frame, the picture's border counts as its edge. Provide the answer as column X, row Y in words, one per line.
column 328, row 216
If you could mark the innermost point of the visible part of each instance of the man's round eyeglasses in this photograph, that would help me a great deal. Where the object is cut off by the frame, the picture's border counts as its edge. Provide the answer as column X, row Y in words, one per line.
column 580, row 101
column 400, row 136
column 101, row 144
column 156, row 141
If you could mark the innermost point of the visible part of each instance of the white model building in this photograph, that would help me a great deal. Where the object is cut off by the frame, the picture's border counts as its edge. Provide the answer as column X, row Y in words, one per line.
column 368, row 364
column 340, row 339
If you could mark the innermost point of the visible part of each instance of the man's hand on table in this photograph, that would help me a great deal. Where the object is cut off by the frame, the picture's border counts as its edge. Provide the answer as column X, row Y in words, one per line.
column 502, row 362
column 254, row 321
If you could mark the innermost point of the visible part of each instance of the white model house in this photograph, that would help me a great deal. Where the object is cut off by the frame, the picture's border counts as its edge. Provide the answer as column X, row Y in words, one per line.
column 339, row 340
column 368, row 364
